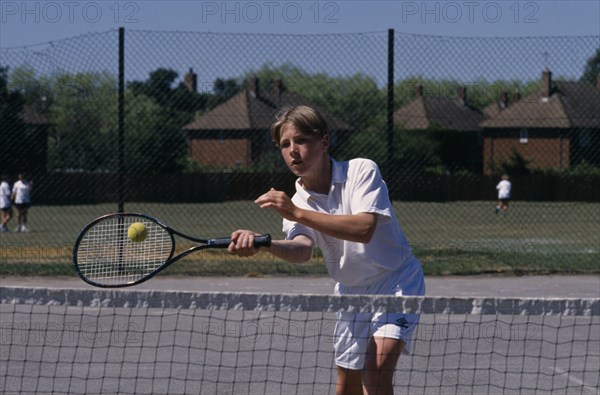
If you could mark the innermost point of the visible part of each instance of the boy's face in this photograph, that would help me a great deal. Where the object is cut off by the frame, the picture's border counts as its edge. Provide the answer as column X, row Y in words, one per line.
column 303, row 153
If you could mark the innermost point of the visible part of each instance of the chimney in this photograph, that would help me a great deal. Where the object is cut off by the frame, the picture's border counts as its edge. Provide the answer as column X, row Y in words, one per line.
column 504, row 99
column 277, row 87
column 546, row 83
column 462, row 94
column 253, row 87
column 418, row 91
column 191, row 81
column 516, row 95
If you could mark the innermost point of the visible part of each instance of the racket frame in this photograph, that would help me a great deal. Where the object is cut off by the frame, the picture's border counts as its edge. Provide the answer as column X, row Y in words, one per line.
column 221, row 243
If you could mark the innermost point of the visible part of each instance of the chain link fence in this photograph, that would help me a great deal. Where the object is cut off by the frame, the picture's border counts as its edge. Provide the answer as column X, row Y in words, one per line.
column 175, row 124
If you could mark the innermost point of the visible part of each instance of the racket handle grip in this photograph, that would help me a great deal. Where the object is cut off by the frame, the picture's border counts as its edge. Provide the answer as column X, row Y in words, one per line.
column 262, row 241
column 259, row 241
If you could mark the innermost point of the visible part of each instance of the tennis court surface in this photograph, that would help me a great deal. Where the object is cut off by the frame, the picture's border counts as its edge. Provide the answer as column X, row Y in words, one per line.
column 80, row 341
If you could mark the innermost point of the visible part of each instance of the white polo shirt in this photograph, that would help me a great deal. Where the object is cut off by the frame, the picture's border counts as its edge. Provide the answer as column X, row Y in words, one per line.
column 21, row 191
column 503, row 188
column 4, row 195
column 356, row 187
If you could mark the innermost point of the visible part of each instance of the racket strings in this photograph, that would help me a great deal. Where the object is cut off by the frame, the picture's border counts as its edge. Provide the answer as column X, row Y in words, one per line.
column 106, row 255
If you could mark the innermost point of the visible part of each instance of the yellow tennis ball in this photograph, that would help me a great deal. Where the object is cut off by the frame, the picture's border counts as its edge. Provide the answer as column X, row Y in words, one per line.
column 137, row 232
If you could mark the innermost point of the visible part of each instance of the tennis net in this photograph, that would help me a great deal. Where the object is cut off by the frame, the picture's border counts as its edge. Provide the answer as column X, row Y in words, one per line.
column 79, row 341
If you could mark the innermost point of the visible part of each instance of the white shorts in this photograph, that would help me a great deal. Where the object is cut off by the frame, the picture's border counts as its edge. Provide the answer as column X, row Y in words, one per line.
column 353, row 331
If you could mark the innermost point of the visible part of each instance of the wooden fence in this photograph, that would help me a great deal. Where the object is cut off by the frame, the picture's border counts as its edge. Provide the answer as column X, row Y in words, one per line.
column 83, row 188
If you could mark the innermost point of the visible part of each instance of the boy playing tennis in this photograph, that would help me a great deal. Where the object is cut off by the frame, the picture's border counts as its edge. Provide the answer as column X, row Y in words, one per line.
column 344, row 209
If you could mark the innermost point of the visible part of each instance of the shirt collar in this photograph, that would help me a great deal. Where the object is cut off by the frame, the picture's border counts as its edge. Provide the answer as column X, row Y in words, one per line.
column 339, row 174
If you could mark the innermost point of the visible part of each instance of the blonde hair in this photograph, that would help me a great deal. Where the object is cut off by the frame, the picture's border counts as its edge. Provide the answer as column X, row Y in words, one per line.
column 306, row 119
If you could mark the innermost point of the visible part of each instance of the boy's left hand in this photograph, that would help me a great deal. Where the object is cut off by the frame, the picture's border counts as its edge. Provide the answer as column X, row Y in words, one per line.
column 280, row 201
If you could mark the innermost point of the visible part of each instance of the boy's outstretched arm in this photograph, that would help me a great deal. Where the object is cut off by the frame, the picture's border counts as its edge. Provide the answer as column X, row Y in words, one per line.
column 356, row 227
column 298, row 250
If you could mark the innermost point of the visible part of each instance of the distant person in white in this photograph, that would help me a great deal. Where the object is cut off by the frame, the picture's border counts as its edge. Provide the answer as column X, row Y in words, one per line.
column 504, row 189
column 21, row 196
column 5, row 203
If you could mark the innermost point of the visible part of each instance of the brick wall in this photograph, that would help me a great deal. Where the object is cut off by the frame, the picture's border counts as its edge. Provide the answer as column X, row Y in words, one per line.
column 221, row 152
column 543, row 151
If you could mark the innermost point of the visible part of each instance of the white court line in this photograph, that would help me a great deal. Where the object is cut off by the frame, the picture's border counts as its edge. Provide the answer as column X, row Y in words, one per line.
column 577, row 381
column 589, row 388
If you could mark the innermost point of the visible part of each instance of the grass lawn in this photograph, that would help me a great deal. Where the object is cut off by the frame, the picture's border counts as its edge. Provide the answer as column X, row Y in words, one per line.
column 448, row 238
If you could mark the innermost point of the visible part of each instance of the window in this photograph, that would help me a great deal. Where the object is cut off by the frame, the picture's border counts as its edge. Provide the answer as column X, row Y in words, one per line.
column 585, row 139
column 523, row 136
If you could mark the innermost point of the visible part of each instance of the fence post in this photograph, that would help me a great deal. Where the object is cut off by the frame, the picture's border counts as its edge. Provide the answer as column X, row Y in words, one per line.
column 121, row 132
column 390, row 100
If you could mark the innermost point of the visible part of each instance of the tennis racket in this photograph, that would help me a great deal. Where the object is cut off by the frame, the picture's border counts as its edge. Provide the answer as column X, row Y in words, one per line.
column 105, row 256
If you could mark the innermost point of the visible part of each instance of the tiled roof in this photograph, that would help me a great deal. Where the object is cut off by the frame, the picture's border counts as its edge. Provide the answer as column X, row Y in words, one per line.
column 569, row 105
column 246, row 111
column 439, row 112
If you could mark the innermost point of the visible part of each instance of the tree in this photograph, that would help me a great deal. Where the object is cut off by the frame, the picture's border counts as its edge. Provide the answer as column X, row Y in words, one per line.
column 86, row 129
column 83, row 117
column 13, row 128
column 515, row 164
column 178, row 100
column 480, row 94
column 154, row 141
column 83, row 135
column 159, row 86
column 592, row 69
column 24, row 126
column 224, row 89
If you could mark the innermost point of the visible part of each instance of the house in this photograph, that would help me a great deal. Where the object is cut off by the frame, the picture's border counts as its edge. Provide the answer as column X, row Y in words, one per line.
column 236, row 133
column 557, row 126
column 451, row 122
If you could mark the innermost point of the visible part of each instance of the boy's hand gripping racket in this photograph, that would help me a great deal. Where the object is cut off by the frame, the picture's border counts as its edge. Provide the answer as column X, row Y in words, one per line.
column 120, row 250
